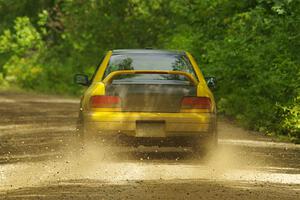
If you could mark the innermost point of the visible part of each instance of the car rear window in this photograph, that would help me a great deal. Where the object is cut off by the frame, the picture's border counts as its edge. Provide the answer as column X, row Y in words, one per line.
column 148, row 61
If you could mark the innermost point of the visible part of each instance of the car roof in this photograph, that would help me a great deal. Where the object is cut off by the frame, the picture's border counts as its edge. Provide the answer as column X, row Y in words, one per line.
column 145, row 51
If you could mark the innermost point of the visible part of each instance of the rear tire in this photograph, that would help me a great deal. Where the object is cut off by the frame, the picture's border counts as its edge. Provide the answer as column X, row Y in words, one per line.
column 205, row 146
column 78, row 144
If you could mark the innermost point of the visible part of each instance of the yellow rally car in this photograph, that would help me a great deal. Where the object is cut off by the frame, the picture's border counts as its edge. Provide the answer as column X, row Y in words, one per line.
column 151, row 97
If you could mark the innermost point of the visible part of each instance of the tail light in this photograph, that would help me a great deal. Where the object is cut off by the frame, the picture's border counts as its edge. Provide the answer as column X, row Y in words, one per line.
column 196, row 103
column 105, row 102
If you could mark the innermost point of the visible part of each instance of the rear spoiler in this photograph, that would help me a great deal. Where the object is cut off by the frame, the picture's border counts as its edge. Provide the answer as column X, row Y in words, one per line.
column 112, row 75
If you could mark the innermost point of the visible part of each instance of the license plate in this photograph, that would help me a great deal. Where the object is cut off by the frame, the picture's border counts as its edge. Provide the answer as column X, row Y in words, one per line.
column 150, row 129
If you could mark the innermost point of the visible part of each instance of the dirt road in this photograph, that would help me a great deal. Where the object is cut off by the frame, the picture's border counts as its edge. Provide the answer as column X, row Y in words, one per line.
column 40, row 160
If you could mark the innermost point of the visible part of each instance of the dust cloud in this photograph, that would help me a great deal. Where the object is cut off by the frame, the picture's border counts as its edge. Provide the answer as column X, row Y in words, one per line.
column 116, row 165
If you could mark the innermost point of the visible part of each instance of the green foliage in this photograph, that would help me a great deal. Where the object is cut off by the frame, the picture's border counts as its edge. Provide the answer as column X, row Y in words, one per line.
column 290, row 125
column 22, row 44
column 24, row 38
column 250, row 46
column 259, row 66
column 28, row 65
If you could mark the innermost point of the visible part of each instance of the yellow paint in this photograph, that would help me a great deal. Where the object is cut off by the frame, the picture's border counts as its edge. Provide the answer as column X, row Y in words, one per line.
column 196, row 118
column 150, row 116
column 110, row 77
column 202, row 89
column 102, row 68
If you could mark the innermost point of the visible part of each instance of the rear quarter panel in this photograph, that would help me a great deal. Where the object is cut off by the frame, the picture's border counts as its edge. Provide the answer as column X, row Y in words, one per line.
column 202, row 89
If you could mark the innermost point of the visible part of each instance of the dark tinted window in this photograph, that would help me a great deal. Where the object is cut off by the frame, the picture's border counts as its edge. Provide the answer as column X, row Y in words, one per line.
column 148, row 61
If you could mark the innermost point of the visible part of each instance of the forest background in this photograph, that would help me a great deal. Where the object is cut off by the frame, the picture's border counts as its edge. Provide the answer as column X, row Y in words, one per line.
column 251, row 46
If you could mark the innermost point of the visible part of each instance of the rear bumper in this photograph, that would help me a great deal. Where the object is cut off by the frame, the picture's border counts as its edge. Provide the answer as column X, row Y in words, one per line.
column 174, row 124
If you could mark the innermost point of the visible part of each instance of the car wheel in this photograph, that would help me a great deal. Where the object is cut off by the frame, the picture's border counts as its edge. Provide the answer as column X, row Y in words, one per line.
column 205, row 146
column 77, row 144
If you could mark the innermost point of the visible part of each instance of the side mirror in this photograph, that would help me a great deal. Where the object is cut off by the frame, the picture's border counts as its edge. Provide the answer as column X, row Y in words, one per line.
column 211, row 82
column 82, row 79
